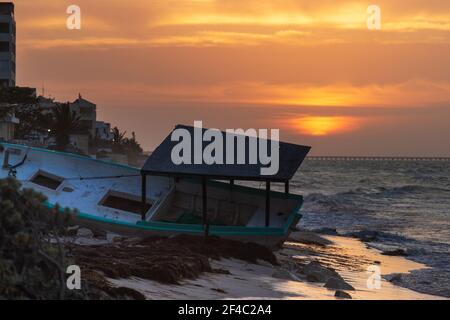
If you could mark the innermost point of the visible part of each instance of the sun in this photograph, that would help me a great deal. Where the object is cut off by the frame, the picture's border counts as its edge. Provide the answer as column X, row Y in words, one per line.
column 323, row 125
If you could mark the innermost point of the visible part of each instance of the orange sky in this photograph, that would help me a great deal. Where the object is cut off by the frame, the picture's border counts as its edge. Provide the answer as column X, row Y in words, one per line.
column 308, row 67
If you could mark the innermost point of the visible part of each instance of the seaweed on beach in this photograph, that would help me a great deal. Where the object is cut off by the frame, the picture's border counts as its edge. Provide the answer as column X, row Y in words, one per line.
column 167, row 260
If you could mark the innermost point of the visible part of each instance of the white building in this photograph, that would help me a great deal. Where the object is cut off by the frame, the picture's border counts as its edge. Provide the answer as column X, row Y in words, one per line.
column 103, row 131
column 7, row 45
column 7, row 127
column 87, row 111
column 46, row 103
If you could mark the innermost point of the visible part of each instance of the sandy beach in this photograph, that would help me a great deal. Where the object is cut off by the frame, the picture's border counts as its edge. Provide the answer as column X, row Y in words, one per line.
column 349, row 257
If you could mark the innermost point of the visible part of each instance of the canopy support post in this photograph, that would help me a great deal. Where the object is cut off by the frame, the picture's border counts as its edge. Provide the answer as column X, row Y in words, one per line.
column 267, row 203
column 286, row 187
column 143, row 195
column 205, row 206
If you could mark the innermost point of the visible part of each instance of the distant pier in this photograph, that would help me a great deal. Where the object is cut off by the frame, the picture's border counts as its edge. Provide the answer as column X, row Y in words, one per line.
column 364, row 158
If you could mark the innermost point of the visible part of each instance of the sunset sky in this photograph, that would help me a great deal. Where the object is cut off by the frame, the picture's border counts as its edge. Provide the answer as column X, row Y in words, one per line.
column 308, row 67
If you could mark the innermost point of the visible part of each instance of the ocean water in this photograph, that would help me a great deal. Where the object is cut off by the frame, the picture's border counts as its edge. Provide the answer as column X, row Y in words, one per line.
column 406, row 203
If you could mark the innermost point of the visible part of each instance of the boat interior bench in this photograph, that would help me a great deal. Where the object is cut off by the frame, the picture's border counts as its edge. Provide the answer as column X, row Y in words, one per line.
column 186, row 208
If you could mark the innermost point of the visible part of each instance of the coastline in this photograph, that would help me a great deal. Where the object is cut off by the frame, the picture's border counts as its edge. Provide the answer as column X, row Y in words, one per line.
column 349, row 257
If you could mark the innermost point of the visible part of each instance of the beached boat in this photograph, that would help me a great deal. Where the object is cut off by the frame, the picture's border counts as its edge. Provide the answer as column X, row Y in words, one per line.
column 139, row 202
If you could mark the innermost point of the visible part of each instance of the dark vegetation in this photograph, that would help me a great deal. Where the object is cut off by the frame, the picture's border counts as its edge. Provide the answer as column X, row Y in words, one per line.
column 31, row 267
column 24, row 104
column 17, row 95
column 123, row 145
column 62, row 124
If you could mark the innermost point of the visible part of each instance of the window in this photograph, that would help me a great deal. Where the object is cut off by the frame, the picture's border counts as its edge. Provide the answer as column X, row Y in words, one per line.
column 124, row 202
column 4, row 27
column 85, row 125
column 4, row 83
column 4, row 46
column 47, row 180
column 4, row 65
column 85, row 111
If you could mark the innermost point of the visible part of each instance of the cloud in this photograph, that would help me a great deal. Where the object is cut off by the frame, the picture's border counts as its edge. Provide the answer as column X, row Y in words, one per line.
column 408, row 94
column 340, row 96
column 232, row 23
column 58, row 22
column 81, row 43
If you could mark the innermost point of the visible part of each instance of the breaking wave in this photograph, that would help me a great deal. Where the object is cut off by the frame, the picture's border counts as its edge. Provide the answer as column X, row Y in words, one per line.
column 410, row 189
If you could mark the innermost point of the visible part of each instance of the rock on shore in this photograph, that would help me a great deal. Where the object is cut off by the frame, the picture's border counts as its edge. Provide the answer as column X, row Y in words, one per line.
column 338, row 284
column 342, row 295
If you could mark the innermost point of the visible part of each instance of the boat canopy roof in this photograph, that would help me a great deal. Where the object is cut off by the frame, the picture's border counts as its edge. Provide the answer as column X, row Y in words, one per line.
column 160, row 161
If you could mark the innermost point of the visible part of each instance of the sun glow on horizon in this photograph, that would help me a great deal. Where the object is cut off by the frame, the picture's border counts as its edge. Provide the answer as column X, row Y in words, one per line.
column 323, row 125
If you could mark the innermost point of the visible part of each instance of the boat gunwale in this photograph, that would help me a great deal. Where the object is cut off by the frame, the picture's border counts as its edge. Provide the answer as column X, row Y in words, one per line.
column 192, row 228
column 73, row 155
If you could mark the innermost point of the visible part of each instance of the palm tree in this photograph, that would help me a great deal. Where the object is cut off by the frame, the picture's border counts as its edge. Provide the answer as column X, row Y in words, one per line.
column 118, row 136
column 118, row 140
column 64, row 123
column 131, row 145
column 132, row 149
